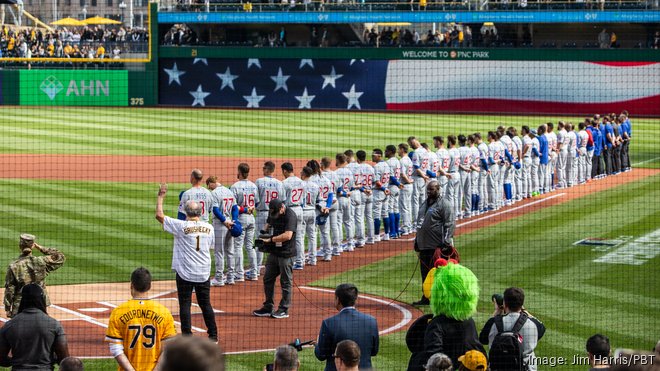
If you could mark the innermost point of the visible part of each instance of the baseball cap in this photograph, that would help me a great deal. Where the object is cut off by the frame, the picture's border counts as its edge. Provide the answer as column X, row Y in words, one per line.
column 533, row 131
column 274, row 207
column 236, row 229
column 27, row 239
column 474, row 360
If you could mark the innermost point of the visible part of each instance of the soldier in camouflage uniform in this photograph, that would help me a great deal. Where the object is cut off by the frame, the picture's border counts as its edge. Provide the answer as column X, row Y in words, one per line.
column 29, row 269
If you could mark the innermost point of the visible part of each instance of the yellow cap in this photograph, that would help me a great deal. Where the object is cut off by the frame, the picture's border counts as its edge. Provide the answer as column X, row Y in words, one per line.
column 474, row 360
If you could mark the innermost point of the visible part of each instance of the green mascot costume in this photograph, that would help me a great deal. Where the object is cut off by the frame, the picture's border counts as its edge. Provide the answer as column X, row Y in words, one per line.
column 451, row 329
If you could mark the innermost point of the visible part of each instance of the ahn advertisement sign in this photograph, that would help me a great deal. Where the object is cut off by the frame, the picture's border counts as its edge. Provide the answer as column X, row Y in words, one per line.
column 73, row 88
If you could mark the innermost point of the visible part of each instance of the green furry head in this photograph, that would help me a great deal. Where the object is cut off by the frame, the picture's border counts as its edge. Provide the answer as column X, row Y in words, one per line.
column 455, row 292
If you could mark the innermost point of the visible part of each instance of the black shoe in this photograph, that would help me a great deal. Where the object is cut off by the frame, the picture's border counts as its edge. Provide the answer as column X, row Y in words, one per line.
column 280, row 313
column 262, row 312
column 422, row 301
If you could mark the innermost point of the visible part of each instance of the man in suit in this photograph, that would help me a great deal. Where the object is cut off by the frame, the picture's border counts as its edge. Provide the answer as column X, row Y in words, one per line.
column 349, row 324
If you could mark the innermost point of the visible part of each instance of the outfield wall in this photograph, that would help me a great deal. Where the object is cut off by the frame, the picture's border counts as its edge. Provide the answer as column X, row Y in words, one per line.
column 480, row 81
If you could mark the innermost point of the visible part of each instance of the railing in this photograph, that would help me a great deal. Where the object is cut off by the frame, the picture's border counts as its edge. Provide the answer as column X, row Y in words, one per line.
column 404, row 5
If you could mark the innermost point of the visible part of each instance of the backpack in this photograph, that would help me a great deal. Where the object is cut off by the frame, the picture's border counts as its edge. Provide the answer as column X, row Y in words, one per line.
column 506, row 351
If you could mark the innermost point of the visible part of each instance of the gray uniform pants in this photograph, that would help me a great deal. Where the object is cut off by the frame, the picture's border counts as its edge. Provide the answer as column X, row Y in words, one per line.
column 590, row 156
column 300, row 235
column 245, row 240
column 544, row 169
column 526, row 175
column 562, row 169
column 571, row 167
column 345, row 218
column 405, row 207
column 466, row 188
column 309, row 220
column 582, row 165
column 224, row 250
column 335, row 227
column 418, row 197
column 493, row 186
column 367, row 200
column 324, row 231
column 483, row 189
column 453, row 194
column 357, row 214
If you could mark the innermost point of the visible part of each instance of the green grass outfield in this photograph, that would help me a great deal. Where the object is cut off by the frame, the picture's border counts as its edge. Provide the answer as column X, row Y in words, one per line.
column 107, row 228
column 240, row 133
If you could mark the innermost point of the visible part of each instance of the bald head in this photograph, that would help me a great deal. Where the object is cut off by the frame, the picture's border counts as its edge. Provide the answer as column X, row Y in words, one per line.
column 196, row 177
column 193, row 209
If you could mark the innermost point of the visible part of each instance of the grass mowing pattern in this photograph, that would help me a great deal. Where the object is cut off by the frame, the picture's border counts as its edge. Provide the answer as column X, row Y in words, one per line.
column 574, row 296
column 241, row 133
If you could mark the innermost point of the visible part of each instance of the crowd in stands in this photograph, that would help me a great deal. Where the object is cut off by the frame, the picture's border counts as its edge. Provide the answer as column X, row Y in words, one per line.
column 87, row 42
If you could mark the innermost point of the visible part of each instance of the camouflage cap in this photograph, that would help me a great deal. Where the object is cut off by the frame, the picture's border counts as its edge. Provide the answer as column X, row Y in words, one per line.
column 27, row 239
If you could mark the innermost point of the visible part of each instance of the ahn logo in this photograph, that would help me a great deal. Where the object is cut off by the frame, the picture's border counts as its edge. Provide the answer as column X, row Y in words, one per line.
column 51, row 86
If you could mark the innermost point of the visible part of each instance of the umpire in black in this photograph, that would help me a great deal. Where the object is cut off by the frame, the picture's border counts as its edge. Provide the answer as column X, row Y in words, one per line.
column 437, row 230
column 281, row 248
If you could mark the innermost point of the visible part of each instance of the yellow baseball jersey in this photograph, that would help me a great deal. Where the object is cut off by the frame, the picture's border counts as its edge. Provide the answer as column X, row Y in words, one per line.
column 141, row 325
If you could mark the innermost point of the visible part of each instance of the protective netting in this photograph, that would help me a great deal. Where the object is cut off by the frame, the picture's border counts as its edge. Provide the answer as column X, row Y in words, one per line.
column 568, row 214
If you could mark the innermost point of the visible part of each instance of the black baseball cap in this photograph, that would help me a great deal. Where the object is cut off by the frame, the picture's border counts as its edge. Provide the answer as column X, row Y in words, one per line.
column 274, row 208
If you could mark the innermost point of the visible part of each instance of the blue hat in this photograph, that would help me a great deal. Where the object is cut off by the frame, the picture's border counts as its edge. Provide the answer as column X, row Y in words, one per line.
column 321, row 219
column 517, row 165
column 236, row 229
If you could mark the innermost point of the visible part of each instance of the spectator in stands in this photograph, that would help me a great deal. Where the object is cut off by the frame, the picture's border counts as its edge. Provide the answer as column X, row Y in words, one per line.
column 532, row 330
column 347, row 356
column 286, row 359
column 71, row 364
column 47, row 344
column 191, row 353
column 439, row 362
column 613, row 41
column 603, row 39
column 422, row 5
column 656, row 40
column 598, row 349
column 349, row 324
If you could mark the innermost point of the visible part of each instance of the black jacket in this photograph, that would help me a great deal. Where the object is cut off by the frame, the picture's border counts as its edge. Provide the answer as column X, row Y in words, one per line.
column 449, row 336
column 437, row 229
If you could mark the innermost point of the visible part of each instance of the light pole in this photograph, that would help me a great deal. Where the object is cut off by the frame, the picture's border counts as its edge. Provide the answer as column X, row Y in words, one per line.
column 122, row 6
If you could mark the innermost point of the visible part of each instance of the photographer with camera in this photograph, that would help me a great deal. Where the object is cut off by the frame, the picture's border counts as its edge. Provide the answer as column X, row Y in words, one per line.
column 280, row 244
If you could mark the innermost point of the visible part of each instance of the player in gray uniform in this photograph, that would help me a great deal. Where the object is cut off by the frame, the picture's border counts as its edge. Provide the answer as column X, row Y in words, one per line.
column 367, row 180
column 356, row 197
column 526, row 155
column 582, row 154
column 294, row 197
column 517, row 173
column 198, row 194
column 333, row 218
column 552, row 154
column 224, row 211
column 269, row 189
column 381, row 194
column 494, row 177
column 535, row 172
column 394, row 186
column 247, row 197
column 325, row 199
column 507, row 169
column 464, row 171
column 311, row 192
column 344, row 192
column 485, row 162
column 474, row 175
column 420, row 162
column 572, row 159
column 454, row 190
column 434, row 162
column 443, row 160
column 562, row 157
column 405, row 196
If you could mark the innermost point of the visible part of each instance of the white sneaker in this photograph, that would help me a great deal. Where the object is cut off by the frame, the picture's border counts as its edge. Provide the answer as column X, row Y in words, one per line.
column 385, row 237
column 217, row 283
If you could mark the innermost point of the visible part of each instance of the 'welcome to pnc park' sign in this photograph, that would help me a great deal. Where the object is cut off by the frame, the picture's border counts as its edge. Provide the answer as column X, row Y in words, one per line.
column 73, row 88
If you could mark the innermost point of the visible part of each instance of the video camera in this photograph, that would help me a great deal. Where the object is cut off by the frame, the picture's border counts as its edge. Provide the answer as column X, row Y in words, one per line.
column 263, row 246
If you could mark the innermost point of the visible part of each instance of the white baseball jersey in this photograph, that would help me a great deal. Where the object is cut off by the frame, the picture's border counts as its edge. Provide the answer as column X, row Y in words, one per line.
column 366, row 175
column 584, row 138
column 246, row 193
column 518, row 146
column 268, row 189
column 311, row 192
column 497, row 150
column 466, row 158
column 562, row 138
column 325, row 187
column 223, row 199
column 434, row 162
column 191, row 258
column 395, row 167
column 535, row 145
column 454, row 159
column 443, row 157
column 552, row 140
column 406, row 166
column 475, row 156
column 201, row 195
column 354, row 167
column 527, row 141
column 420, row 158
column 330, row 175
column 572, row 142
column 484, row 151
column 294, row 191
column 382, row 173
column 507, row 143
column 345, row 177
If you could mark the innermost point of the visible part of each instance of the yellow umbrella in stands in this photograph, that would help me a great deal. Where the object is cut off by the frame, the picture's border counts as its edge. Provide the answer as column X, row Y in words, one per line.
column 100, row 20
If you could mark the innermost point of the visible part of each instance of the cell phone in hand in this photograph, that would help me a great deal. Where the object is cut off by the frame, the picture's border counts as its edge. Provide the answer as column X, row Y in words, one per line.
column 269, row 367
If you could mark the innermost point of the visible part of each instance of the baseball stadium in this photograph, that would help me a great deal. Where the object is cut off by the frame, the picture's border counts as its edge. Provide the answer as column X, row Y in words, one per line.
column 330, row 185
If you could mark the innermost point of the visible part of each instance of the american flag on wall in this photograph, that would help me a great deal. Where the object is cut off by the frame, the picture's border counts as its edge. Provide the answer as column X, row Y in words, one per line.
column 419, row 85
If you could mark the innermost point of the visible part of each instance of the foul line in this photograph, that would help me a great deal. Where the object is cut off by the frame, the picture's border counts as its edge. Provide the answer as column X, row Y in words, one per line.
column 407, row 316
column 646, row 161
column 84, row 317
